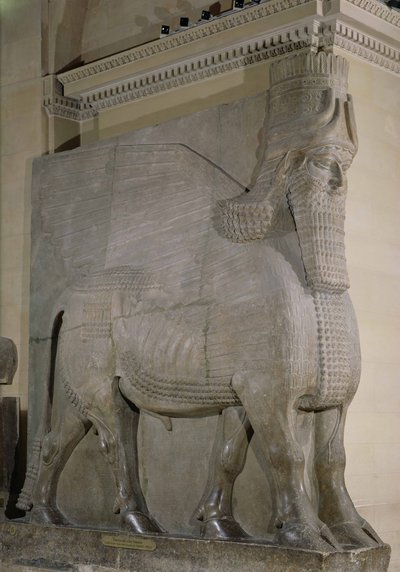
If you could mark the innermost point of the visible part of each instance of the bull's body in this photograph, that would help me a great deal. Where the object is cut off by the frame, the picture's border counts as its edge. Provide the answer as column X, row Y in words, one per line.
column 179, row 359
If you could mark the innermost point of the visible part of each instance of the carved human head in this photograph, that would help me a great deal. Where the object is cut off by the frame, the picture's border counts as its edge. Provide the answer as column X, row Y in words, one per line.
column 311, row 136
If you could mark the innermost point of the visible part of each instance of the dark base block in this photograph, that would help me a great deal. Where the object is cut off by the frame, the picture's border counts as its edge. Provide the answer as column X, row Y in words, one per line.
column 26, row 547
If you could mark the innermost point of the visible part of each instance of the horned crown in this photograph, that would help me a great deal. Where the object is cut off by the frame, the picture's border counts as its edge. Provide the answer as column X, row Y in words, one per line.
column 309, row 104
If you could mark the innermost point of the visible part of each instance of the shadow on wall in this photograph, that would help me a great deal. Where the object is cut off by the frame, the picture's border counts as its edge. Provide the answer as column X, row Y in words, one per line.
column 139, row 28
column 64, row 33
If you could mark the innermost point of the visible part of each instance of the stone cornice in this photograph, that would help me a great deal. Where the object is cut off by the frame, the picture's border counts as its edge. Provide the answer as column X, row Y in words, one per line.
column 183, row 38
column 57, row 104
column 379, row 10
column 204, row 67
column 134, row 75
column 364, row 46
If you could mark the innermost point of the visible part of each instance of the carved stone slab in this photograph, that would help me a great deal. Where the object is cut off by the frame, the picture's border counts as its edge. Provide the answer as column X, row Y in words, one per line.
column 218, row 135
column 184, row 294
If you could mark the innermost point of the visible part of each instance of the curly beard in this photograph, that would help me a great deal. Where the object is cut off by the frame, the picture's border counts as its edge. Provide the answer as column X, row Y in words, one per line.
column 319, row 217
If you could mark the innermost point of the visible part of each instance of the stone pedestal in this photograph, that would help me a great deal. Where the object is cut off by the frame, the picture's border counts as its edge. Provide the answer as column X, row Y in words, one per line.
column 26, row 547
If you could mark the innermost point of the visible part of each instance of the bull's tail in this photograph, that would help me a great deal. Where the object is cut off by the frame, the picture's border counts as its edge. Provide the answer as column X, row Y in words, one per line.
column 26, row 496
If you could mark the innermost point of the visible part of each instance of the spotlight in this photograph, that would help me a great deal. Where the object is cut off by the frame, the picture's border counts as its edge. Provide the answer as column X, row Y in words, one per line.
column 394, row 4
column 205, row 15
column 184, row 22
column 164, row 31
column 238, row 4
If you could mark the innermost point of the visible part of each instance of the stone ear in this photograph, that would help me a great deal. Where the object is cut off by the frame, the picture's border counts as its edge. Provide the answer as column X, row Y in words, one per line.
column 290, row 159
column 282, row 170
column 351, row 121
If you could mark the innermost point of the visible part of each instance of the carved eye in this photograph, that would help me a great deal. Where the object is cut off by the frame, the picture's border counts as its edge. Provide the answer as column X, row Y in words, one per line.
column 322, row 162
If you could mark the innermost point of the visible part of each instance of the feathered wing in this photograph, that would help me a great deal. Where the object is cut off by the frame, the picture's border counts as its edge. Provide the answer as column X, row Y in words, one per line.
column 75, row 196
column 146, row 206
column 164, row 199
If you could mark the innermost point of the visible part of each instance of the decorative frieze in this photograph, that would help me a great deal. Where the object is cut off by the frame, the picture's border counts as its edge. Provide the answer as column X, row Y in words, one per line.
column 204, row 67
column 193, row 34
column 115, row 80
column 378, row 9
column 366, row 47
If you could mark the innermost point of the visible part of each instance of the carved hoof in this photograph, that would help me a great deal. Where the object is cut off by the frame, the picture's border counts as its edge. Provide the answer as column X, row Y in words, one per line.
column 47, row 515
column 24, row 505
column 140, row 523
column 223, row 528
column 299, row 535
column 354, row 535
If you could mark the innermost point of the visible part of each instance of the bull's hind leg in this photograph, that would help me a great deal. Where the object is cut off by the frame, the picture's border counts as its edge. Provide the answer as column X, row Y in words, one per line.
column 336, row 508
column 116, row 422
column 67, row 430
column 227, row 462
column 272, row 410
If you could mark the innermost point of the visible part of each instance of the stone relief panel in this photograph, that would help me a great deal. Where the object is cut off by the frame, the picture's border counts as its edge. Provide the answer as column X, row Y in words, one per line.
column 192, row 289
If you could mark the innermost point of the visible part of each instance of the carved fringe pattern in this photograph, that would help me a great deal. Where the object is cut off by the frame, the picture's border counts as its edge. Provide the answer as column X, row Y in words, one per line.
column 25, row 497
column 163, row 355
column 100, row 287
column 336, row 378
column 184, row 391
column 248, row 216
column 310, row 65
column 96, row 321
column 64, row 373
column 319, row 217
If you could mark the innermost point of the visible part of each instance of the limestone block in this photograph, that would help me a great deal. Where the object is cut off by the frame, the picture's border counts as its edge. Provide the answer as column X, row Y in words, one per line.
column 26, row 547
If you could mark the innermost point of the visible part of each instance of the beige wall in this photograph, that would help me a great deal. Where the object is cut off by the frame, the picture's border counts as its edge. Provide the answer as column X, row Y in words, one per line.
column 111, row 27
column 22, row 124
column 373, row 239
column 373, row 248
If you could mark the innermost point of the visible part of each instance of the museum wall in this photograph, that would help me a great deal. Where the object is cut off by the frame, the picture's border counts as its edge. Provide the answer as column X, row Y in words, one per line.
column 110, row 27
column 39, row 36
column 373, row 250
column 22, row 138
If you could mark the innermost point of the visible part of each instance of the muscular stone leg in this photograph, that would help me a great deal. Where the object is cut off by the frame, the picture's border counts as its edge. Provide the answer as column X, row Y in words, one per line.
column 271, row 413
column 67, row 430
column 227, row 461
column 336, row 508
column 117, row 424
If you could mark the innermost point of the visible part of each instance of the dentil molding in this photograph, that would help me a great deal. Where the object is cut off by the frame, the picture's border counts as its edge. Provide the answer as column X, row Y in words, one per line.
column 367, row 29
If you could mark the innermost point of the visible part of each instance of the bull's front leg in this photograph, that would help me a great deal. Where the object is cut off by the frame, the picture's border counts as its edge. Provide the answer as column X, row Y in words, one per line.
column 336, row 508
column 226, row 463
column 271, row 408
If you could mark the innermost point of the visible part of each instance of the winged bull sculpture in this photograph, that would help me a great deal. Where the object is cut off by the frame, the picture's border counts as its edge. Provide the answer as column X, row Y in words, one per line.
column 224, row 302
